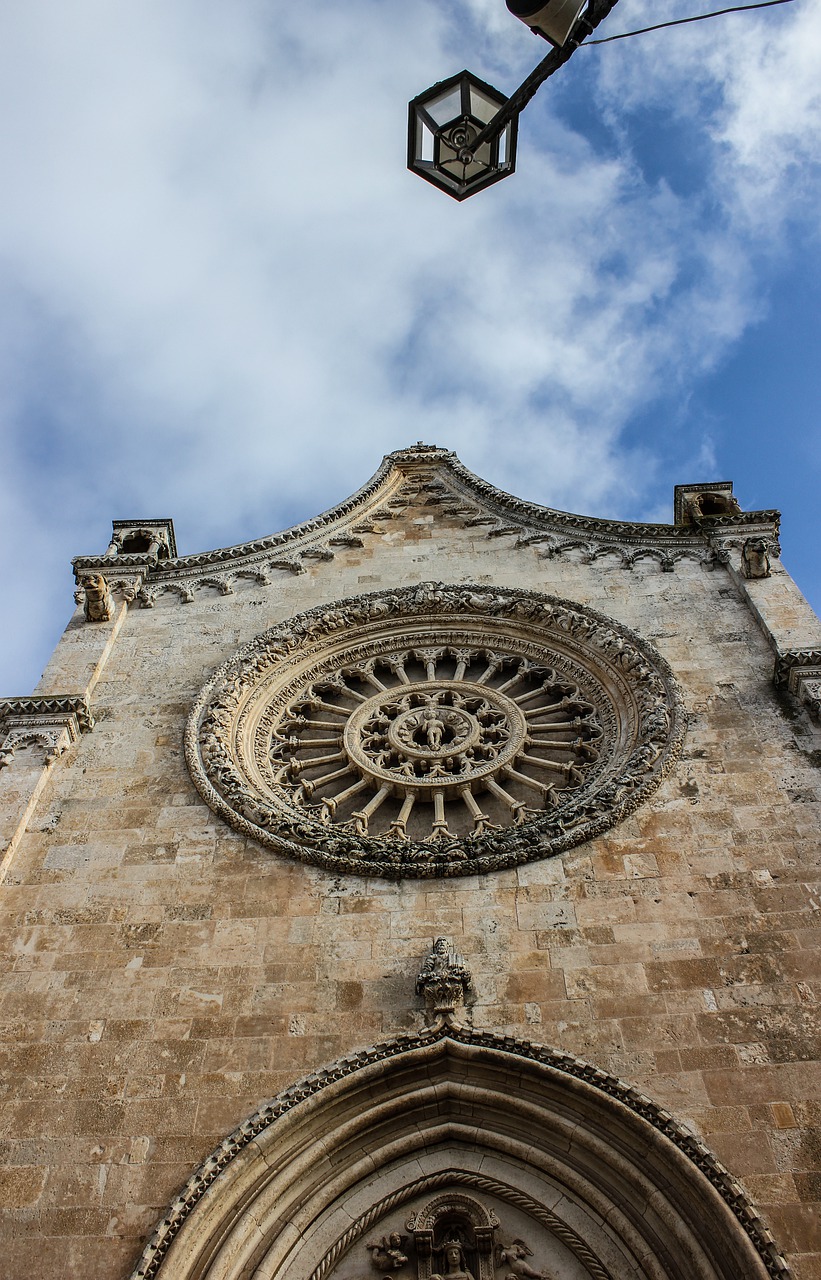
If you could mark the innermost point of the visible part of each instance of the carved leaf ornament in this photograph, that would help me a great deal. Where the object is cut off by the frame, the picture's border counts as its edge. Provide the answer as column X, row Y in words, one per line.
column 434, row 731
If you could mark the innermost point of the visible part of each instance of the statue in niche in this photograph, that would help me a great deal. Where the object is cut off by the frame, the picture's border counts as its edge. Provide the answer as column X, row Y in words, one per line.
column 455, row 1267
column 453, row 1238
column 388, row 1253
column 514, row 1256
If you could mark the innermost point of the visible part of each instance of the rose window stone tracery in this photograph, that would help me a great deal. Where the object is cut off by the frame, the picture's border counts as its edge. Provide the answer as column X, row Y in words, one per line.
column 434, row 731
column 449, row 742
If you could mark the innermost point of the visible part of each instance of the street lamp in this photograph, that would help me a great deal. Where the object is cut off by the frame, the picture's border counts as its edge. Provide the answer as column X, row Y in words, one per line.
column 462, row 132
column 443, row 125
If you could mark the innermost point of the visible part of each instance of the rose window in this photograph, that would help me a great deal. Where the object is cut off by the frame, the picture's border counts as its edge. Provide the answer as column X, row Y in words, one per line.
column 434, row 731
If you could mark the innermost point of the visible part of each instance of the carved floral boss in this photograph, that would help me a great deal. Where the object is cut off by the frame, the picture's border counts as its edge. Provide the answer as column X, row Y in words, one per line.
column 434, row 731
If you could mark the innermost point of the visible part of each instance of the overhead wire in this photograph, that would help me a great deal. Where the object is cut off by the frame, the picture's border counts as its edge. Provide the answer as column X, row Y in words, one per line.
column 558, row 56
column 680, row 22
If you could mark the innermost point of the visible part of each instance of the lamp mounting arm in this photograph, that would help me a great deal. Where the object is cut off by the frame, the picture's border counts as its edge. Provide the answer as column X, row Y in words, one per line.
column 597, row 11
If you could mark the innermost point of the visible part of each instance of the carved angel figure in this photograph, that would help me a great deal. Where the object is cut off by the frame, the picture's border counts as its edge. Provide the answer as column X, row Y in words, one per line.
column 514, row 1256
column 387, row 1254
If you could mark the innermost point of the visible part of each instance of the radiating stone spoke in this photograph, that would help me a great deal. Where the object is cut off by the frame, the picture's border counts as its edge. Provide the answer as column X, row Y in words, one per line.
column 399, row 826
column 362, row 817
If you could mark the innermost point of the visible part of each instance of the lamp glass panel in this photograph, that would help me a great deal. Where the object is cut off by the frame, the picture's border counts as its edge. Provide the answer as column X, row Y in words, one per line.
column 450, row 162
column 424, row 142
column 446, row 106
column 481, row 107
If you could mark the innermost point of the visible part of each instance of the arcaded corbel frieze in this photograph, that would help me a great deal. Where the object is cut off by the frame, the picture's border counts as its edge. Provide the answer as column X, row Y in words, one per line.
column 800, row 672
column 47, row 708
column 54, row 733
column 431, row 479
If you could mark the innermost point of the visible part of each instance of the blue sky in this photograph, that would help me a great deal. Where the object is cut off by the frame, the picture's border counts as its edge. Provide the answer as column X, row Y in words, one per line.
column 223, row 298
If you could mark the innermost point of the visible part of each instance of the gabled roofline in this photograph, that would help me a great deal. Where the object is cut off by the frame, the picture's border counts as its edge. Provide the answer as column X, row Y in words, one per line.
column 477, row 501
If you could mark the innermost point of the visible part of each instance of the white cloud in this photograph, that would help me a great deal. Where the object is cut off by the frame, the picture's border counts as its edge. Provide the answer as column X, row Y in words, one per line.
column 224, row 298
column 749, row 81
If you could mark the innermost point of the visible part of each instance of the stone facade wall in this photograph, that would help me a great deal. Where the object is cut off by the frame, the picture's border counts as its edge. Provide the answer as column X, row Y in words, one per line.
column 164, row 975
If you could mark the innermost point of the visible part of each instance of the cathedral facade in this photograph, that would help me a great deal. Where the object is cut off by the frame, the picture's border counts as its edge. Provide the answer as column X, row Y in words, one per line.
column 428, row 891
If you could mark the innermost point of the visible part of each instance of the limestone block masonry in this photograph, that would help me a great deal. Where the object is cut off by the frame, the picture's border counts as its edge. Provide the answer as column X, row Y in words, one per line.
column 430, row 890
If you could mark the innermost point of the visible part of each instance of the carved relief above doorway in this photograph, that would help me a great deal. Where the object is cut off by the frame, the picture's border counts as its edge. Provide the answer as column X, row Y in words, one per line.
column 468, row 1231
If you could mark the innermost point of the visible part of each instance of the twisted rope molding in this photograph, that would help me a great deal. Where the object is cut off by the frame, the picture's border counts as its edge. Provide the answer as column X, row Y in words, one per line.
column 477, row 1182
column 730, row 1190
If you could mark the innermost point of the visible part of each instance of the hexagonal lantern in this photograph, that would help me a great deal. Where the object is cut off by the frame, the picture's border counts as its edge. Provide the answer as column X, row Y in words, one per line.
column 444, row 121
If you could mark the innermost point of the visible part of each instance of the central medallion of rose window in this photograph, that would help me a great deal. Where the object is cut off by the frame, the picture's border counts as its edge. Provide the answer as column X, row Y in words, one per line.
column 434, row 731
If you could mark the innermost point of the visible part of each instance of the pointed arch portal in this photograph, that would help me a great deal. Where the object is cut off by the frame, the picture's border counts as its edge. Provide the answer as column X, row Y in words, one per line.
column 457, row 1152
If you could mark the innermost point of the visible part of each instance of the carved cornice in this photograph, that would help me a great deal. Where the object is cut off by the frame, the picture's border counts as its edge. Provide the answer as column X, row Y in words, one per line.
column 436, row 481
column 48, row 707
column 799, row 670
column 52, row 723
column 475, row 1041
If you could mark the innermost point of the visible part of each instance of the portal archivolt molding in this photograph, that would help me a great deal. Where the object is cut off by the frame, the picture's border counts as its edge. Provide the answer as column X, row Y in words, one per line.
column 430, row 1131
column 435, row 730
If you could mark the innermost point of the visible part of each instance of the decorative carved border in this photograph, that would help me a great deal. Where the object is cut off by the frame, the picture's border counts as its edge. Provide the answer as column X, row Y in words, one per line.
column 601, row 651
column 49, row 706
column 730, row 1190
column 437, row 478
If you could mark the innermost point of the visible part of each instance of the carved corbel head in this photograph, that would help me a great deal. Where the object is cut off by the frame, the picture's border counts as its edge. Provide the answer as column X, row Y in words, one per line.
column 98, row 604
column 755, row 558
